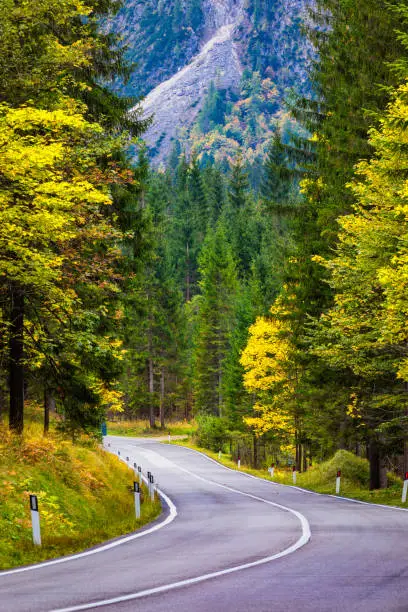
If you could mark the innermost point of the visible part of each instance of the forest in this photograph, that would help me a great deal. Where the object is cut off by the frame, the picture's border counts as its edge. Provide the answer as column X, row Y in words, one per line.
column 267, row 299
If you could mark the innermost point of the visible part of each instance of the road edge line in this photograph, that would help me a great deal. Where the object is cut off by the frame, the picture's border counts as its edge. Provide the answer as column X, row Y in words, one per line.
column 302, row 541
column 301, row 489
column 103, row 547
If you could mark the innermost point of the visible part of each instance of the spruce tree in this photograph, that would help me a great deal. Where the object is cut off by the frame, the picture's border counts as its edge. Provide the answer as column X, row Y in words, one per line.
column 214, row 321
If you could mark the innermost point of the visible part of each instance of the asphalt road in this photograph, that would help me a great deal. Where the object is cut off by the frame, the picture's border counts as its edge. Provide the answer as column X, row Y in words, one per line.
column 229, row 543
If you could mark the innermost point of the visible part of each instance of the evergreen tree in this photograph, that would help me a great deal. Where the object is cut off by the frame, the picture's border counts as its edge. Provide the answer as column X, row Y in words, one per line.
column 214, row 322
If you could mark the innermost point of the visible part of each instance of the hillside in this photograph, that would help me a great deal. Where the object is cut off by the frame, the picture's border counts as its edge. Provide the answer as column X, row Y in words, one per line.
column 84, row 496
column 186, row 51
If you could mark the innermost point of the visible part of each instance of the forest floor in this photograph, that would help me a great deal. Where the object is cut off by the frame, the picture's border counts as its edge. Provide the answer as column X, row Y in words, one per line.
column 141, row 428
column 84, row 496
column 321, row 478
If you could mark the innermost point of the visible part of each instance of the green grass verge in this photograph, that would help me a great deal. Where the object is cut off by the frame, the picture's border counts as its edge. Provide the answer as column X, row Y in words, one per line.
column 143, row 429
column 84, row 495
column 322, row 477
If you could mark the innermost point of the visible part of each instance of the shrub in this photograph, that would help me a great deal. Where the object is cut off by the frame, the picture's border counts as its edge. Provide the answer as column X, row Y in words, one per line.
column 212, row 432
column 355, row 469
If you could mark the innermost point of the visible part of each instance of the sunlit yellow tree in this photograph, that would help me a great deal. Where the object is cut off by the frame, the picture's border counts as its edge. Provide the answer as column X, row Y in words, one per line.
column 52, row 196
column 273, row 371
column 366, row 329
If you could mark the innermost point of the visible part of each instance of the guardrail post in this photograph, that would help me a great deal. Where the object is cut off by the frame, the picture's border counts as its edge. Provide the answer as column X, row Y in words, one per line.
column 136, row 489
column 338, row 479
column 405, row 488
column 35, row 520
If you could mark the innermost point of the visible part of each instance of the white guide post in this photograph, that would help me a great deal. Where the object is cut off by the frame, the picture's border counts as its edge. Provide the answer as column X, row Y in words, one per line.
column 169, row 437
column 239, row 462
column 219, row 454
column 271, row 470
column 405, row 488
column 149, row 483
column 338, row 480
column 35, row 520
column 294, row 474
column 139, row 471
column 151, row 487
column 136, row 489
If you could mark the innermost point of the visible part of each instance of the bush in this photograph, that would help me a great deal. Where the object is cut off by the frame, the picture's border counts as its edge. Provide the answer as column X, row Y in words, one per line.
column 355, row 469
column 212, row 433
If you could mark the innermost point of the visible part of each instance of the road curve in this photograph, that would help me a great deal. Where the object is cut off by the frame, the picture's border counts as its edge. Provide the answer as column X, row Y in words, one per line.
column 236, row 544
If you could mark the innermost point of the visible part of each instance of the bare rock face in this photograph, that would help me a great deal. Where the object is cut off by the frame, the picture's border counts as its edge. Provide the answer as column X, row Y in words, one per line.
column 176, row 103
column 263, row 36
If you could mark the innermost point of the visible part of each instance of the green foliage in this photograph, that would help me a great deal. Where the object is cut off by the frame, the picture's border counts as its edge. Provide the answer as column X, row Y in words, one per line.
column 213, row 320
column 354, row 469
column 212, row 432
column 84, row 497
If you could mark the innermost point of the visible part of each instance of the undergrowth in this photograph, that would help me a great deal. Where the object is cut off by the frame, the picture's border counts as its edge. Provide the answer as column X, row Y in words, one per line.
column 141, row 428
column 84, row 496
column 322, row 477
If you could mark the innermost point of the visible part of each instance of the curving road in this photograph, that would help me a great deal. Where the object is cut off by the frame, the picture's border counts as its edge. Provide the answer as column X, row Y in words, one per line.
column 228, row 542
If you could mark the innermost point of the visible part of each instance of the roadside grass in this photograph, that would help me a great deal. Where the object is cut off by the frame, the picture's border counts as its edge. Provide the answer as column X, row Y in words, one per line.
column 141, row 428
column 84, row 496
column 321, row 478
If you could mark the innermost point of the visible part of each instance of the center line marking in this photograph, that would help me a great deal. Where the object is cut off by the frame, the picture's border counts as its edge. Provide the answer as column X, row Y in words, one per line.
column 302, row 541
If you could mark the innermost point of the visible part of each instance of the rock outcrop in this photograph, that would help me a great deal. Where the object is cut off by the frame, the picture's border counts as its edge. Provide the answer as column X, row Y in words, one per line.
column 181, row 46
column 176, row 103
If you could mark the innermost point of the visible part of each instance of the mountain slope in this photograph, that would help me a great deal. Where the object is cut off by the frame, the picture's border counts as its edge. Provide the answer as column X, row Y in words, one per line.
column 176, row 103
column 182, row 47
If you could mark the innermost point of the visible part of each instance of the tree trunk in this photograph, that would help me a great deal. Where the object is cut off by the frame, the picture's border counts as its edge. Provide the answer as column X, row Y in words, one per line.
column 46, row 410
column 151, row 392
column 255, row 452
column 375, row 465
column 162, row 398
column 405, row 463
column 16, row 354
column 304, row 459
column 188, row 281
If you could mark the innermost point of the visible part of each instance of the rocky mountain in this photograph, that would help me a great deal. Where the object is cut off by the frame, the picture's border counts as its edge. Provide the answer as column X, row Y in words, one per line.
column 214, row 72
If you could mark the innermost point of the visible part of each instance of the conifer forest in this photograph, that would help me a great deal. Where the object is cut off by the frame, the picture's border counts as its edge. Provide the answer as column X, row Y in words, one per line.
column 250, row 271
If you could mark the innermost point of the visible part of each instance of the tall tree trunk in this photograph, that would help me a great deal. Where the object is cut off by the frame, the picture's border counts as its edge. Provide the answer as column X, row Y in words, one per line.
column 375, row 464
column 405, row 458
column 405, row 462
column 151, row 393
column 46, row 409
column 16, row 357
column 162, row 398
column 255, row 452
column 188, row 279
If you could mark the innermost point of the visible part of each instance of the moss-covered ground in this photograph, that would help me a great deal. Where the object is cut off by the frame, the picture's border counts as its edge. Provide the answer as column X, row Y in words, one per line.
column 84, row 496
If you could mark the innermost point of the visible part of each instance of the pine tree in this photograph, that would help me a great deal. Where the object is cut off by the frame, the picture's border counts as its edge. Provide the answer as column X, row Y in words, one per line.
column 214, row 322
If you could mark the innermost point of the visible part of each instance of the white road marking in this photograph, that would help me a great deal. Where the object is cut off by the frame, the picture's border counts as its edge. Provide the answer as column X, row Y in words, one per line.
column 301, row 489
column 304, row 538
column 172, row 515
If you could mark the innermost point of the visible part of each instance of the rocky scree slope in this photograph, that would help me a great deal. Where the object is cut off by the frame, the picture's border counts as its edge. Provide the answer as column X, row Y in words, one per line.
column 176, row 103
column 182, row 46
